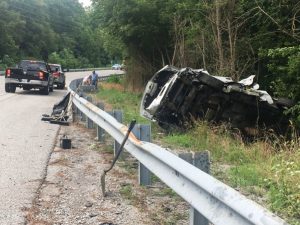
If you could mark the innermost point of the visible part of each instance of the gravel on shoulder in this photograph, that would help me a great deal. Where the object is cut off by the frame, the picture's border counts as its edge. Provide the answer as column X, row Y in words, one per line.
column 71, row 191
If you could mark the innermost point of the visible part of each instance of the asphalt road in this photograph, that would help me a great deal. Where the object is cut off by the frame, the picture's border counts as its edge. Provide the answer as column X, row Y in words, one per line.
column 25, row 145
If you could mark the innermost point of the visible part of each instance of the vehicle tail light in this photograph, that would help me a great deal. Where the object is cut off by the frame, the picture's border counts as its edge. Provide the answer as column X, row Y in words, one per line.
column 8, row 72
column 41, row 75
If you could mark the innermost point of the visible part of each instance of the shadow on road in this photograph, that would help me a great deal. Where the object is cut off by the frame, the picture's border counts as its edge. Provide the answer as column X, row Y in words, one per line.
column 56, row 92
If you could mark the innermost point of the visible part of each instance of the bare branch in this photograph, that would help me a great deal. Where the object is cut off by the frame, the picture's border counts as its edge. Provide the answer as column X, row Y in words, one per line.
column 296, row 37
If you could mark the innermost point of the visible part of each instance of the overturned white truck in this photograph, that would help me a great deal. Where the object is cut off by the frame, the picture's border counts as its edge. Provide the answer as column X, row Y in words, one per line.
column 174, row 96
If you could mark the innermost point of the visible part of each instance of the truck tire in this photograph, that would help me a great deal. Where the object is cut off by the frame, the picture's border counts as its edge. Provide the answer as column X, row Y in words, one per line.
column 45, row 90
column 62, row 86
column 26, row 88
column 51, row 89
column 7, row 88
column 12, row 88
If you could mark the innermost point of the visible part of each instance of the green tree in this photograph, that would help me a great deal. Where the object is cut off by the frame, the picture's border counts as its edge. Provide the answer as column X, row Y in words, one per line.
column 10, row 22
column 284, row 69
column 141, row 28
column 37, row 28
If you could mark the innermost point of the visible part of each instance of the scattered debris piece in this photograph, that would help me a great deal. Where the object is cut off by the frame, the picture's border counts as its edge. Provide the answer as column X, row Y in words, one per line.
column 61, row 111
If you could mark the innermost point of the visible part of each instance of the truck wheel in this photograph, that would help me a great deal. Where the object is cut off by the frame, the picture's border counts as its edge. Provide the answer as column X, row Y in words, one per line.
column 61, row 86
column 12, row 88
column 51, row 88
column 7, row 88
column 45, row 90
column 26, row 88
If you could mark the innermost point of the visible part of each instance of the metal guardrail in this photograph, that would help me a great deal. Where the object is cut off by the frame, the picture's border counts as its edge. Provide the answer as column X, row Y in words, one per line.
column 101, row 78
column 88, row 69
column 216, row 201
column 74, row 70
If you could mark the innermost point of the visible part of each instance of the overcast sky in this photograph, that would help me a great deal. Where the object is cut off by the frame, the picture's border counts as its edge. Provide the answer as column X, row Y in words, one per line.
column 85, row 2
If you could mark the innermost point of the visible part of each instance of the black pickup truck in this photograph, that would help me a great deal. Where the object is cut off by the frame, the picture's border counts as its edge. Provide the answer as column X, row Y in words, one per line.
column 29, row 74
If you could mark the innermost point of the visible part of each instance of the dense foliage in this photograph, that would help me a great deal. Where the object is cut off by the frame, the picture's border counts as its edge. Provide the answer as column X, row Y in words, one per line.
column 53, row 30
column 226, row 37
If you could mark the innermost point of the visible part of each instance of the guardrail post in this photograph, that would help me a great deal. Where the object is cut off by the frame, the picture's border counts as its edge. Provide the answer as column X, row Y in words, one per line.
column 100, row 131
column 186, row 157
column 118, row 115
column 82, row 115
column 89, row 123
column 76, row 112
column 143, row 133
column 200, row 160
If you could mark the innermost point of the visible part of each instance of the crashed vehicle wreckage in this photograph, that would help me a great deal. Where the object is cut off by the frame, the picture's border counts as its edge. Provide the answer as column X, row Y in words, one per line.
column 174, row 96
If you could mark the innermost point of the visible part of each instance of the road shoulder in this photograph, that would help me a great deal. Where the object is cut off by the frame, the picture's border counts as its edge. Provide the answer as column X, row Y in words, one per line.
column 71, row 192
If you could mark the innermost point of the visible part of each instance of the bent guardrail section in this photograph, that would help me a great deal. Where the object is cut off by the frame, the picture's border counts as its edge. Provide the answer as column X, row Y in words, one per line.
column 216, row 201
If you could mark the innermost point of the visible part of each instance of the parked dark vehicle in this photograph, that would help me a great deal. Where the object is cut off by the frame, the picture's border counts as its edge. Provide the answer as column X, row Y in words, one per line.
column 58, row 75
column 175, row 96
column 29, row 74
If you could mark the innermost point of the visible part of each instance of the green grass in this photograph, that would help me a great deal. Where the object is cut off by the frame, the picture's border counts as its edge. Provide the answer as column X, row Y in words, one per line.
column 166, row 191
column 114, row 79
column 268, row 168
column 130, row 167
column 127, row 192
column 128, row 102
column 245, row 175
column 106, row 149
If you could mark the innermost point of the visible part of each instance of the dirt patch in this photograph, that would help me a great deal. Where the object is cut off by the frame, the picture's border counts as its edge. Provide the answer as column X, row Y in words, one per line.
column 71, row 193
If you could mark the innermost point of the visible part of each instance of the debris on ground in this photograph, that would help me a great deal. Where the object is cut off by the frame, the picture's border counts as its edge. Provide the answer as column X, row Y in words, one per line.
column 61, row 111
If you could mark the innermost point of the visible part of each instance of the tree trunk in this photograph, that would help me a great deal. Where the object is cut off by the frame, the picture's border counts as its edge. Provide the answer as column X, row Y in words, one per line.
column 219, row 35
